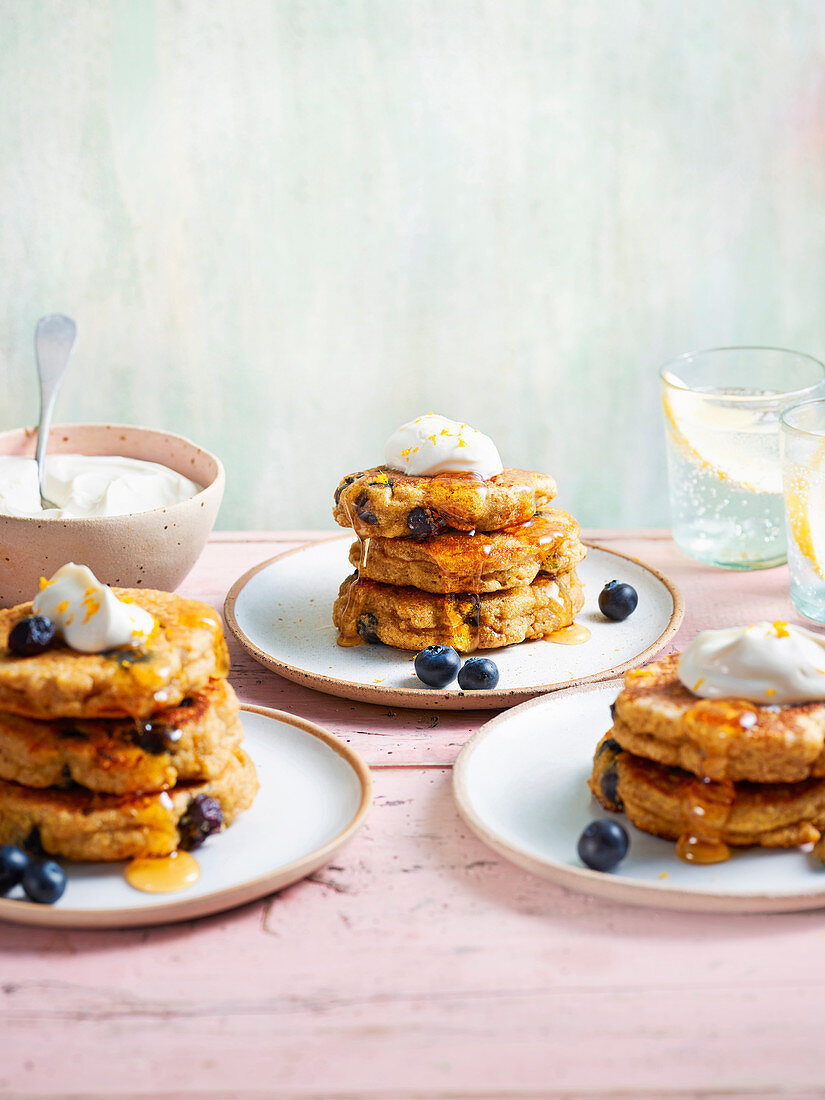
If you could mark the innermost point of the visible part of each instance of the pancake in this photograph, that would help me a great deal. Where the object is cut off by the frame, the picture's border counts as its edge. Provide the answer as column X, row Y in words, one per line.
column 408, row 618
column 656, row 717
column 458, row 561
column 185, row 650
column 384, row 502
column 80, row 825
column 192, row 741
column 706, row 817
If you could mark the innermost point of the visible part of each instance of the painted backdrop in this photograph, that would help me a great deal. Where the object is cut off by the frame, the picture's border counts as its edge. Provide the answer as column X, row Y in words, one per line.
column 286, row 226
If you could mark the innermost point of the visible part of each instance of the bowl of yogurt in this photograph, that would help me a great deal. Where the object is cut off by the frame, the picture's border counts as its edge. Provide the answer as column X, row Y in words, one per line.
column 134, row 504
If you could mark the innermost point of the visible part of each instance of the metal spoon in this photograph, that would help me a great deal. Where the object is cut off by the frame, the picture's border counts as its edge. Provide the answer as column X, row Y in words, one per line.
column 54, row 340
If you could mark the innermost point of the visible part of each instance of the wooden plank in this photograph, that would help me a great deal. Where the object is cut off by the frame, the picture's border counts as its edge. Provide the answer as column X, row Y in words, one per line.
column 419, row 964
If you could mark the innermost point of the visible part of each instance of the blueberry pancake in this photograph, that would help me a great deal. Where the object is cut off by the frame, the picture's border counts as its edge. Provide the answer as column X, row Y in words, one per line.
column 192, row 741
column 384, row 502
column 656, row 717
column 81, row 825
column 674, row 804
column 185, row 650
column 368, row 611
column 458, row 561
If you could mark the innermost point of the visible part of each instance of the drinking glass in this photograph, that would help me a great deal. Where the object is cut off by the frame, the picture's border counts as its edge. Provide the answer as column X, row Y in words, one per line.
column 803, row 480
column 722, row 409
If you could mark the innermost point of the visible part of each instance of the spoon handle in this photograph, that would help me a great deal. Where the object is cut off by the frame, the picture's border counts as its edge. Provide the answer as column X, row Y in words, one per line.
column 54, row 340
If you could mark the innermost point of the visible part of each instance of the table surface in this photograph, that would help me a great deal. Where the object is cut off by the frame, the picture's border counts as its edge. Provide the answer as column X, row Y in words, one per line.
column 420, row 964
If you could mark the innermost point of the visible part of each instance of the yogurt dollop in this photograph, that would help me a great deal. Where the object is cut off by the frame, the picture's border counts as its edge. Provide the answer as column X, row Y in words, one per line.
column 763, row 663
column 432, row 444
column 89, row 485
column 88, row 615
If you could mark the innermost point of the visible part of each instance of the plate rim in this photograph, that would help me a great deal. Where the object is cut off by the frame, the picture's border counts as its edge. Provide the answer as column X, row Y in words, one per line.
column 17, row 911
column 425, row 698
column 634, row 891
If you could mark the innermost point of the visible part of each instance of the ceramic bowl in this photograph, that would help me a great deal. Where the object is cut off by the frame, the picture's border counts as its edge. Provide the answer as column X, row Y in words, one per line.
column 154, row 549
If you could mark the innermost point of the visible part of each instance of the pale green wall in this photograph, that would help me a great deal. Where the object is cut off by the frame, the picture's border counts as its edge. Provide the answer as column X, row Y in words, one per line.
column 286, row 226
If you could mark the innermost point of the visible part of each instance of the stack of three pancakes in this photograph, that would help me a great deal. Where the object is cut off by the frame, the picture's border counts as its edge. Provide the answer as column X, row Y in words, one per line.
column 457, row 560
column 712, row 774
column 109, row 756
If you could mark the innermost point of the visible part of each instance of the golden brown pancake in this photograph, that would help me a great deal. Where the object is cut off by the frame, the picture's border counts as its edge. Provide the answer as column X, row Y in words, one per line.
column 460, row 561
column 192, row 741
column 184, row 652
column 656, row 717
column 706, row 816
column 80, row 825
column 384, row 502
column 411, row 619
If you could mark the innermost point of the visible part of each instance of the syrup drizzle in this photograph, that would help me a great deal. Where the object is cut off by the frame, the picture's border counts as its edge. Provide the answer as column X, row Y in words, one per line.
column 163, row 874
column 575, row 634
column 707, row 800
column 706, row 807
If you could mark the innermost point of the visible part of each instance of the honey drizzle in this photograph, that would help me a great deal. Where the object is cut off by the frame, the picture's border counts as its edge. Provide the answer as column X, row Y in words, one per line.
column 575, row 634
column 163, row 874
column 707, row 800
column 706, row 807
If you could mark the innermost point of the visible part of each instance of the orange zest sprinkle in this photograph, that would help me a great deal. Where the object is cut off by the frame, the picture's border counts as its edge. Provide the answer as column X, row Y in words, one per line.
column 92, row 605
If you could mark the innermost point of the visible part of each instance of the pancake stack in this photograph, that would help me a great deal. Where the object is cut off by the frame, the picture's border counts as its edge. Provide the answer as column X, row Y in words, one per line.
column 455, row 560
column 712, row 773
column 132, row 752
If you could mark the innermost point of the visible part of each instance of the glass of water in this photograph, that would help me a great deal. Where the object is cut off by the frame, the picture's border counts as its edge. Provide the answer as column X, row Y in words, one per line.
column 803, row 479
column 722, row 410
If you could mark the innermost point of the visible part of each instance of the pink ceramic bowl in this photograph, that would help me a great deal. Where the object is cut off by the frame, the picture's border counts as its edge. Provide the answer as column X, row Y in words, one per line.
column 153, row 549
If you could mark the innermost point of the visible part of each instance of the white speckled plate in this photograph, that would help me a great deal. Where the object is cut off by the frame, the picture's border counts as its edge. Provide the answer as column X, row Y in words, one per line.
column 315, row 792
column 521, row 784
column 281, row 613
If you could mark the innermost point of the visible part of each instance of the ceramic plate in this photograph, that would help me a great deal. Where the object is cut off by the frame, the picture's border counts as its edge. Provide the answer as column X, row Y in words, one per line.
column 314, row 794
column 521, row 785
column 281, row 612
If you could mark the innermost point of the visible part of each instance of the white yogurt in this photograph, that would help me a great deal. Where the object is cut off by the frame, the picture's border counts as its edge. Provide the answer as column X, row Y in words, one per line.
column 89, row 485
column 764, row 663
column 432, row 444
column 88, row 615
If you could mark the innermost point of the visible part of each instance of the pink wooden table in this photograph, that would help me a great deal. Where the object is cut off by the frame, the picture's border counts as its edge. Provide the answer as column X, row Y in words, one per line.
column 420, row 964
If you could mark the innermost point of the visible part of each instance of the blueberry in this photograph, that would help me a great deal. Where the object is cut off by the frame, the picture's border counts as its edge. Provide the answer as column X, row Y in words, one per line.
column 44, row 881
column 13, row 862
column 348, row 480
column 156, row 738
column 478, row 673
column 422, row 523
column 31, row 635
column 603, row 844
column 203, row 817
column 367, row 626
column 472, row 614
column 609, row 744
column 364, row 510
column 618, row 600
column 609, row 784
column 437, row 665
